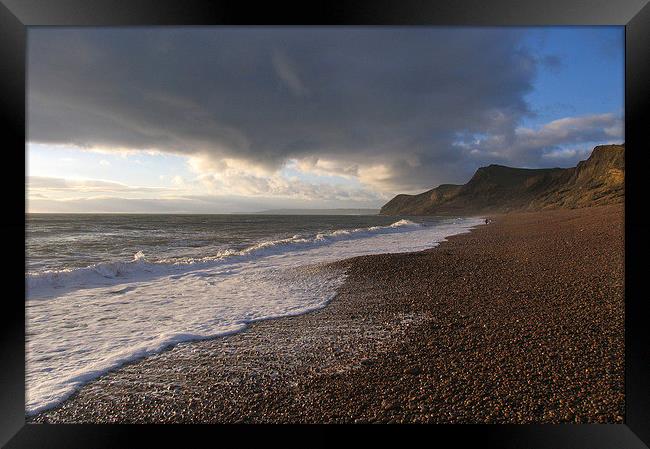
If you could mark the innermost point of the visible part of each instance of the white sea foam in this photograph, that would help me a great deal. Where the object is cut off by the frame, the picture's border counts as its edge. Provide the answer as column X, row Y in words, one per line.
column 53, row 283
column 83, row 322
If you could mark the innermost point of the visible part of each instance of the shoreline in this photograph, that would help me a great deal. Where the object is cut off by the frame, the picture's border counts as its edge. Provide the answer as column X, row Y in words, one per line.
column 312, row 270
column 468, row 331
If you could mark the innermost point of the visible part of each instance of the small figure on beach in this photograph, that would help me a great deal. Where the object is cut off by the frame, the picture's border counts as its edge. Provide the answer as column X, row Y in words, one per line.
column 487, row 221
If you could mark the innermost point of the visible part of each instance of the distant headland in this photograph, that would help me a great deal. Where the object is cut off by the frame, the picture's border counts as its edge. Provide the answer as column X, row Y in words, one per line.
column 319, row 212
column 496, row 189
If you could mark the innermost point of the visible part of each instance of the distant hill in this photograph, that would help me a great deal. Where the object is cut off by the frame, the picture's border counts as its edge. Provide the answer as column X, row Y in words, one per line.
column 319, row 212
column 597, row 181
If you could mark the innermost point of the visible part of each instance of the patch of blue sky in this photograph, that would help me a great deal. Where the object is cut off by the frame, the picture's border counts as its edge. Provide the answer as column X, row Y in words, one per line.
column 581, row 72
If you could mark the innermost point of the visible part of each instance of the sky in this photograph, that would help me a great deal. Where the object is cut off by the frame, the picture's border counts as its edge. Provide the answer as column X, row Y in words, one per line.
column 227, row 120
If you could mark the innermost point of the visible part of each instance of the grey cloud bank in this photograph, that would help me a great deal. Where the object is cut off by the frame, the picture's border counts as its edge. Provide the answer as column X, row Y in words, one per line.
column 398, row 109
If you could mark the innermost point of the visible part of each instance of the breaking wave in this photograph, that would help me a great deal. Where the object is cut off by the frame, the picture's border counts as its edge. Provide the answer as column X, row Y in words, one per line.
column 139, row 268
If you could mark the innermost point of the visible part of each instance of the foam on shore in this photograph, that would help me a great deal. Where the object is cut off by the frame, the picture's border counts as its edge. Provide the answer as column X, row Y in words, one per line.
column 84, row 322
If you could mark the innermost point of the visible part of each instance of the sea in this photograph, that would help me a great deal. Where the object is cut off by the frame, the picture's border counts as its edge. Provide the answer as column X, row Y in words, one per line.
column 103, row 290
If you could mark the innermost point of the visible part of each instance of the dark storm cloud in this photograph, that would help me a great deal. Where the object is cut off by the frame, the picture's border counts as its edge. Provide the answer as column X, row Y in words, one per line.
column 388, row 104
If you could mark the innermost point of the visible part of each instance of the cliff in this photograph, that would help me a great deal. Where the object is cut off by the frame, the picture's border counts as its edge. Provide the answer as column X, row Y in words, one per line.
column 495, row 189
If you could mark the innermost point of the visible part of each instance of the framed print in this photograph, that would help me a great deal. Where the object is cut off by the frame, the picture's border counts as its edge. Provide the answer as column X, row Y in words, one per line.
column 427, row 215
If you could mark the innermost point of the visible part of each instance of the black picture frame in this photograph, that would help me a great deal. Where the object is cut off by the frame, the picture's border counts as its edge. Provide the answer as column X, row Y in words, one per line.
column 17, row 15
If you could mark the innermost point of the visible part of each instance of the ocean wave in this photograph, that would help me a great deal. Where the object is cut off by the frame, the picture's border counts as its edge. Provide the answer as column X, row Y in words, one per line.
column 146, row 306
column 139, row 268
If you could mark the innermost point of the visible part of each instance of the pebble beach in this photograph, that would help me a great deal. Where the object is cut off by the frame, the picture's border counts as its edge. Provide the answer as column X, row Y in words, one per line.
column 518, row 321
